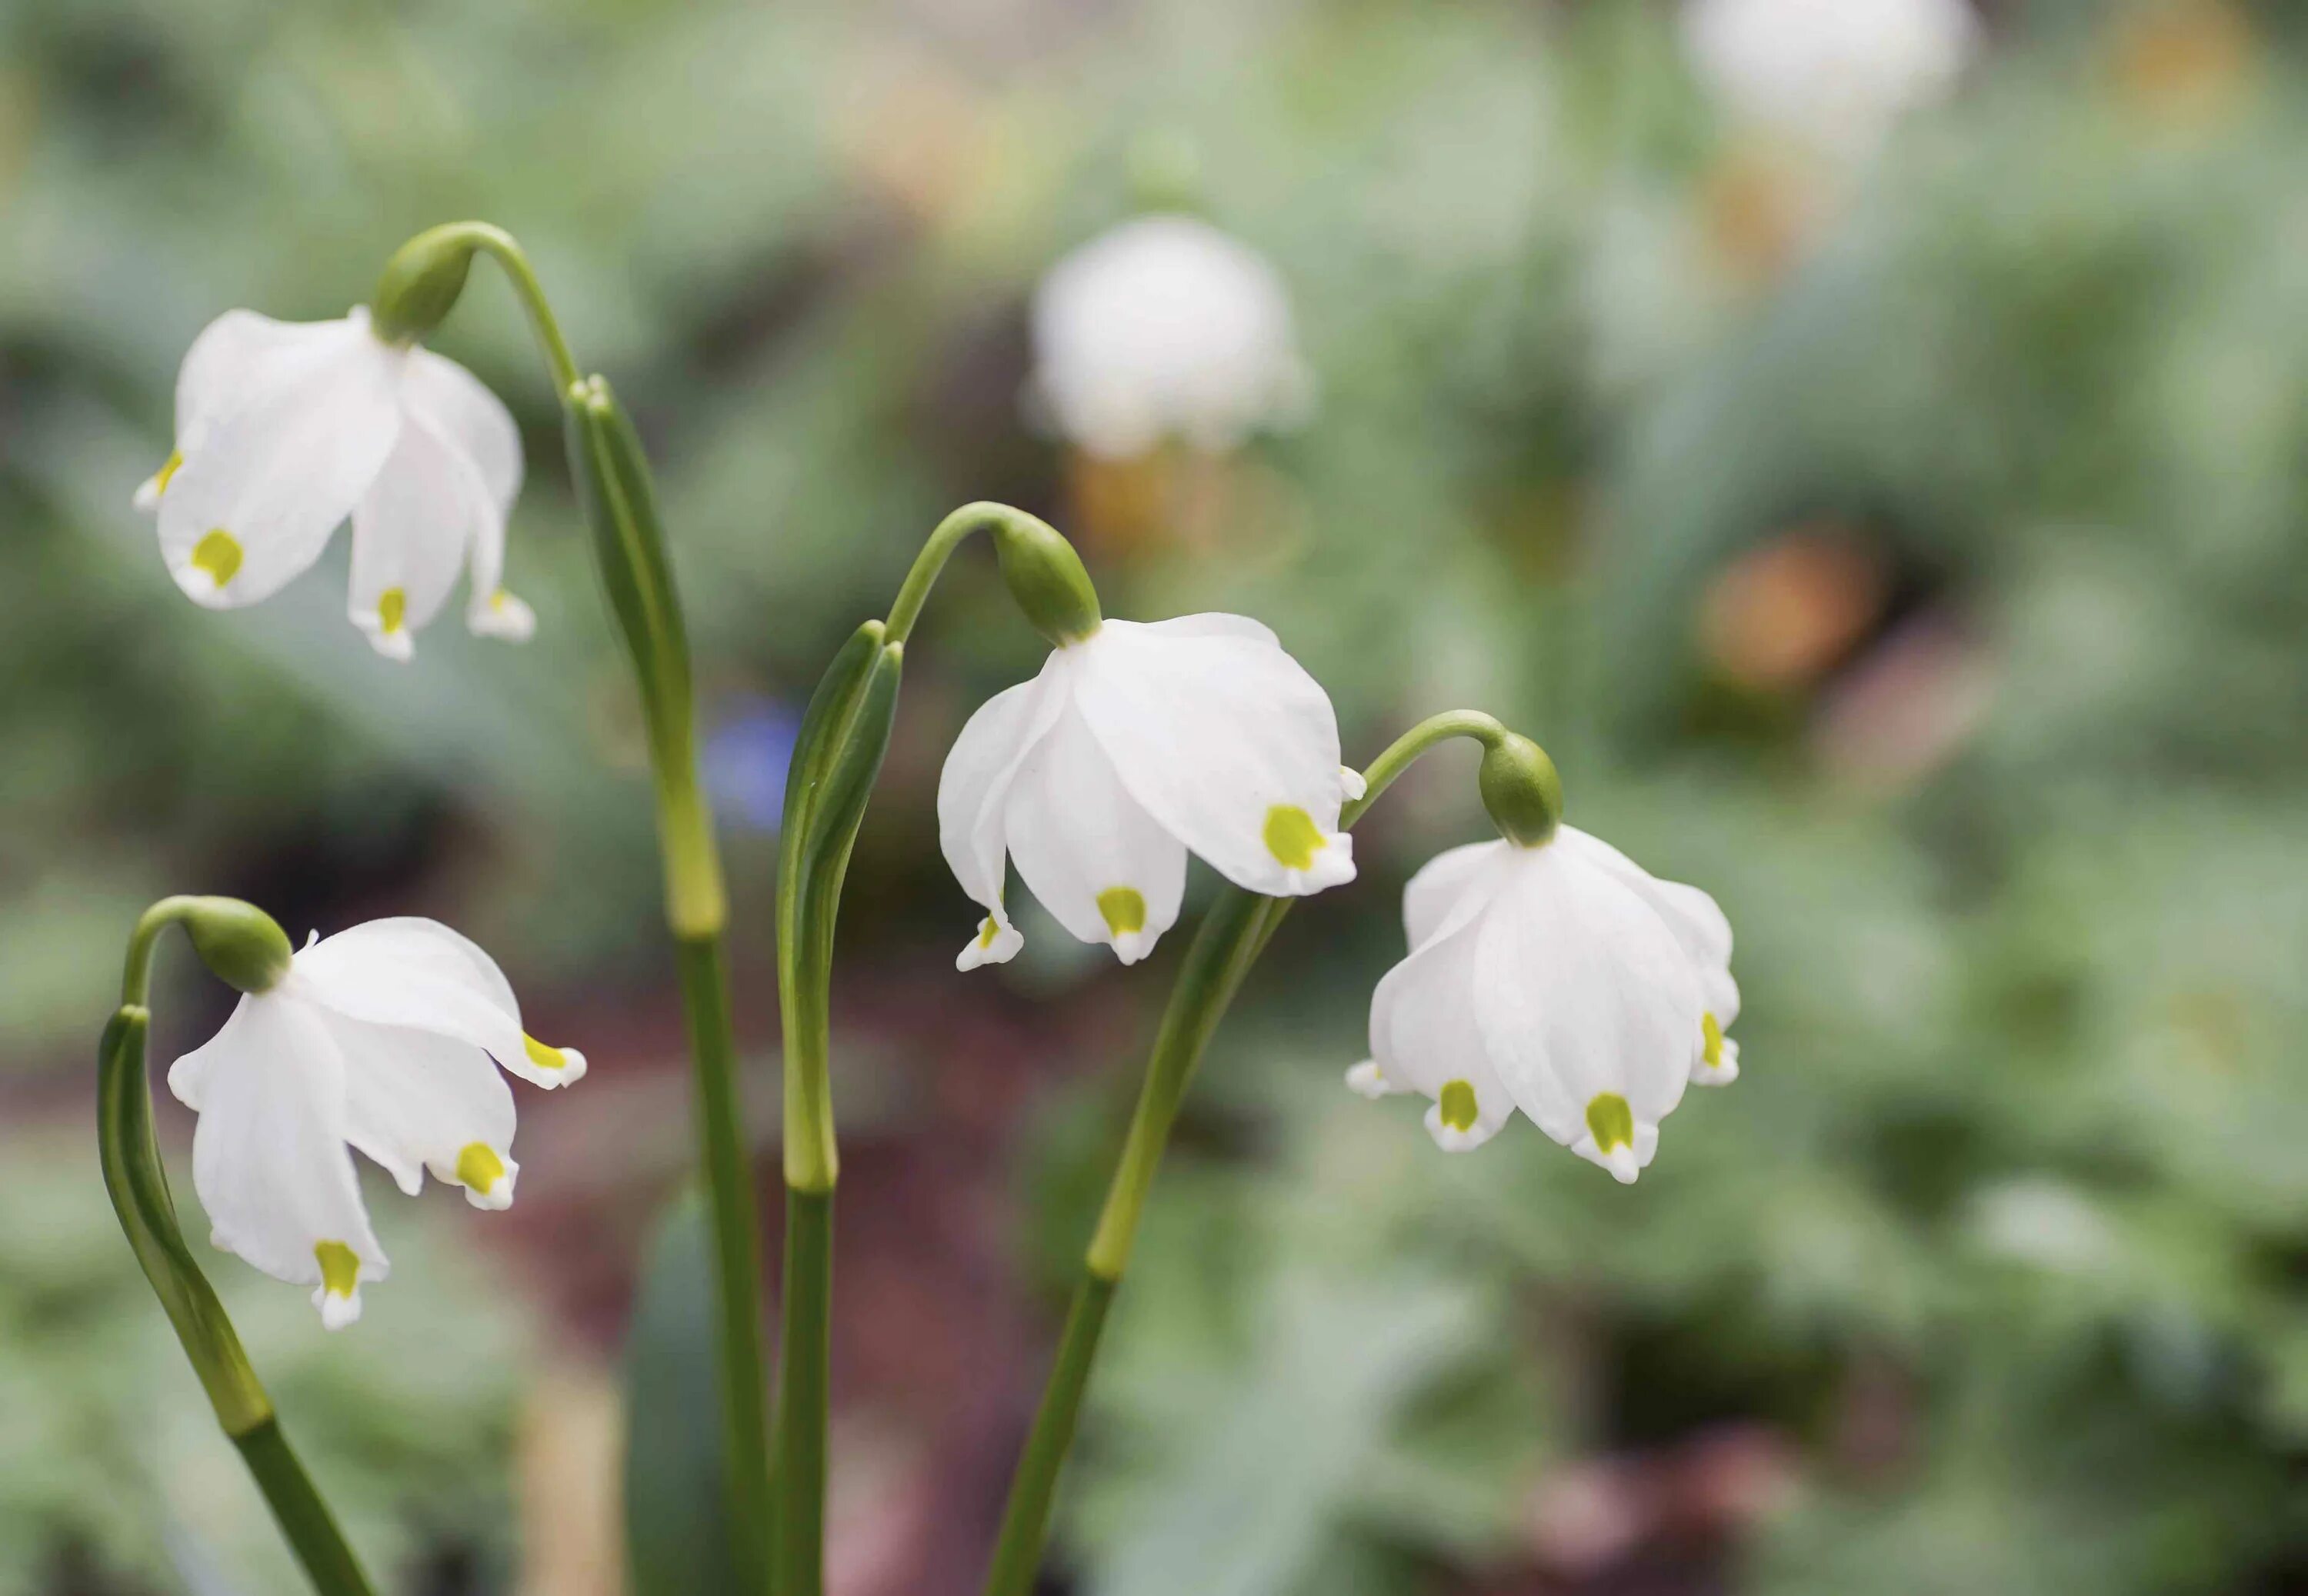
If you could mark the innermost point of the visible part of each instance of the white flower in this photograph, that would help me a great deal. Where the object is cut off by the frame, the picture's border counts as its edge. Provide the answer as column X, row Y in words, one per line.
column 1134, row 746
column 1164, row 327
column 1562, row 980
column 285, row 428
column 1837, row 73
column 381, row 1038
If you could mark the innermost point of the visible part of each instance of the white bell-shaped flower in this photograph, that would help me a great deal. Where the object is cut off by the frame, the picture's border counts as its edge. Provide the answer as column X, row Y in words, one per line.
column 1165, row 327
column 1134, row 746
column 285, row 428
column 388, row 1038
column 1834, row 74
column 1562, row 980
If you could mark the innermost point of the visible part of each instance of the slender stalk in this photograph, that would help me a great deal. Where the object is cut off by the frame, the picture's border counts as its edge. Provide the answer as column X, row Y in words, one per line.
column 723, row 1151
column 614, row 482
column 1234, row 933
column 139, row 1188
column 836, row 755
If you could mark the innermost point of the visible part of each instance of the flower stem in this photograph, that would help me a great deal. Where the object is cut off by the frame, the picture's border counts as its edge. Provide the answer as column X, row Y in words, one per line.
column 619, row 491
column 1234, row 933
column 139, row 1188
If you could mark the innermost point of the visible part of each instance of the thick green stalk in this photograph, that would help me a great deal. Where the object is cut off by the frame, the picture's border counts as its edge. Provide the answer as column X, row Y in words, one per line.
column 420, row 286
column 139, row 1188
column 1234, row 933
column 836, row 755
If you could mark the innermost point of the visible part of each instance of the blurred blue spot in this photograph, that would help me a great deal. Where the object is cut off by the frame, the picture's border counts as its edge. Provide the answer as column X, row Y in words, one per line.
column 746, row 753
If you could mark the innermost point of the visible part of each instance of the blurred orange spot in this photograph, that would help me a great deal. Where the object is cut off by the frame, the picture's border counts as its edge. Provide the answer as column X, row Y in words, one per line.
column 1782, row 616
column 1758, row 207
column 2184, row 61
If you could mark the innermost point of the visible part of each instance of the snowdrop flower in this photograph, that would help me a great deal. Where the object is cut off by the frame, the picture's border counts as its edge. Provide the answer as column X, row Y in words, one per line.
column 388, row 1038
column 285, row 428
column 1561, row 979
column 1164, row 327
column 1836, row 73
column 1135, row 745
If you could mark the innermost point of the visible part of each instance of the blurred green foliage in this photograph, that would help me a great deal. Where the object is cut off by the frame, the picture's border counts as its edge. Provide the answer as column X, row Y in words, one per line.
column 2001, row 1236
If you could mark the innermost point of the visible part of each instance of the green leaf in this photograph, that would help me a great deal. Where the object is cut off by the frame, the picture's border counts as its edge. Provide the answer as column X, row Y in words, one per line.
column 677, row 1531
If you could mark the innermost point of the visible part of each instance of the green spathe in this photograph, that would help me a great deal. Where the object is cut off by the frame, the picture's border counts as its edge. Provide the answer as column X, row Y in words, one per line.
column 242, row 945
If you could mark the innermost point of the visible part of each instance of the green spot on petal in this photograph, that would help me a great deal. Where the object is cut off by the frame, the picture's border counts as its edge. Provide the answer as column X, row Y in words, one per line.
column 340, row 1268
column 1612, row 1121
column 392, row 609
column 480, row 1167
column 987, row 932
column 1458, row 1105
column 1292, row 837
column 1710, row 1033
column 218, row 552
column 542, row 1056
column 1124, row 910
column 168, row 467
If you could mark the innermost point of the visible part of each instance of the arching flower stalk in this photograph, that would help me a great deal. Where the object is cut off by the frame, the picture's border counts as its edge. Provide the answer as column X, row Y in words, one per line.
column 1524, row 797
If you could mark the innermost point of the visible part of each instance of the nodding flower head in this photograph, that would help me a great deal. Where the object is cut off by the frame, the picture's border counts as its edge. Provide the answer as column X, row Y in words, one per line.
column 1561, row 979
column 388, row 1038
column 284, row 429
column 1135, row 746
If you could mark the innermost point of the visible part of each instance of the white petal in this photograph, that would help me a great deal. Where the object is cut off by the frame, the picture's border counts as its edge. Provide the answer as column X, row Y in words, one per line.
column 1445, row 880
column 1366, row 1079
column 473, row 420
column 1424, row 1038
column 415, row 1101
column 419, row 973
column 1084, row 846
column 254, row 503
column 995, row 941
column 225, row 367
column 476, row 424
column 1582, row 993
column 269, row 1158
column 1698, row 922
column 1226, row 741
column 1723, row 1071
column 974, row 785
column 412, row 532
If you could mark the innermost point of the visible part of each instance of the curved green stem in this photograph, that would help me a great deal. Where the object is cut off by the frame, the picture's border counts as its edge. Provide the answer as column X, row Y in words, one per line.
column 618, row 492
column 1234, row 933
column 139, row 1188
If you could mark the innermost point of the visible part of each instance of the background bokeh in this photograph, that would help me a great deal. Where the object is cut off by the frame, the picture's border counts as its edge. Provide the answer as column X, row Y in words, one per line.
column 1899, row 536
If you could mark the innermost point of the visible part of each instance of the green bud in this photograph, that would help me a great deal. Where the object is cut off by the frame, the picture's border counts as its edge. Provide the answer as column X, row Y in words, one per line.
column 1047, row 578
column 242, row 945
column 1522, row 790
column 421, row 282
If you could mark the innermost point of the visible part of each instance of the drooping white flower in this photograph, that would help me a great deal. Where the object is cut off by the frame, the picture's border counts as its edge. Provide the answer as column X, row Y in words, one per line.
column 1562, row 980
column 285, row 428
column 1836, row 73
column 388, row 1038
column 1165, row 327
column 1134, row 746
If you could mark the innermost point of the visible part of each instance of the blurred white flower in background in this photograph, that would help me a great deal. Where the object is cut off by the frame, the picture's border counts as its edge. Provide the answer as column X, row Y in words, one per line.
column 1832, row 73
column 1165, row 327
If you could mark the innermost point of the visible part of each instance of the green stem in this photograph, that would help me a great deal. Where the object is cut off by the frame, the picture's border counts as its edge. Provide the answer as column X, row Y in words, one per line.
column 1234, row 933
column 139, row 1188
column 724, row 1152
column 802, row 1378
column 619, row 494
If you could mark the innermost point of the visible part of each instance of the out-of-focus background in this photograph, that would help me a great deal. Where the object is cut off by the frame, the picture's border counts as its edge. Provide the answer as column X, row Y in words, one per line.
column 1866, row 441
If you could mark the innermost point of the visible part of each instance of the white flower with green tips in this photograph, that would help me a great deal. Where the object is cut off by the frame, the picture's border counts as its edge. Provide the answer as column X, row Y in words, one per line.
column 286, row 428
column 1135, row 746
column 1561, row 979
column 387, row 1038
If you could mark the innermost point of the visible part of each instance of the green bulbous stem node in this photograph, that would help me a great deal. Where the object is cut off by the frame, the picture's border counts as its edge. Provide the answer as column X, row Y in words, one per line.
column 1522, row 790
column 421, row 283
column 1044, row 574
